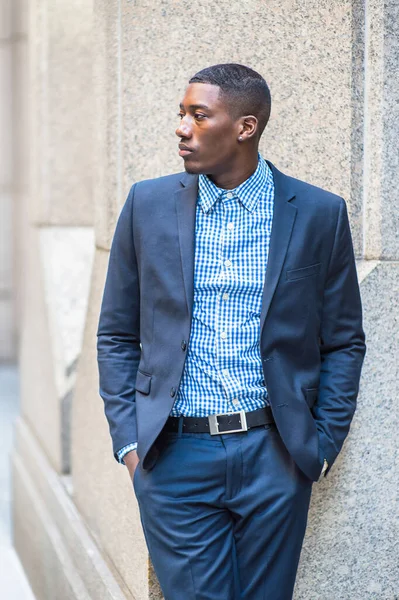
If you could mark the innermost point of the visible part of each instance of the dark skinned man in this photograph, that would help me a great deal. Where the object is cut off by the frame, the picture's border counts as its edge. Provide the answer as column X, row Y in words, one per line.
column 230, row 348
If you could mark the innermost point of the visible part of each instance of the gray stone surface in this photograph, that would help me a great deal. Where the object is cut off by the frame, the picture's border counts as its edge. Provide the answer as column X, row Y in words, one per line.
column 5, row 19
column 6, row 245
column 351, row 546
column 7, row 330
column 61, row 111
column 106, row 77
column 304, row 51
column 60, row 556
column 20, row 17
column 108, row 166
column 7, row 311
column 5, row 115
column 390, row 154
column 54, row 315
column 372, row 138
column 39, row 393
column 66, row 256
column 13, row 582
column 357, row 124
column 102, row 489
column 21, row 124
column 364, row 268
column 380, row 152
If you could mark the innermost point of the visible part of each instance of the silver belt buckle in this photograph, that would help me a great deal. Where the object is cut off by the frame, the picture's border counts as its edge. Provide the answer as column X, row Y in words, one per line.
column 214, row 423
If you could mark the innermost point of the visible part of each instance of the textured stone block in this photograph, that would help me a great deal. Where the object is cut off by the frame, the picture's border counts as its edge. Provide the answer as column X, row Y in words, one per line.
column 5, row 19
column 57, row 550
column 381, row 162
column 20, row 18
column 351, row 544
column 66, row 259
column 6, row 114
column 109, row 192
column 8, row 342
column 305, row 53
column 6, row 245
column 101, row 487
column 390, row 154
column 61, row 111
column 39, row 393
column 41, row 552
column 106, row 80
column 20, row 126
column 357, row 164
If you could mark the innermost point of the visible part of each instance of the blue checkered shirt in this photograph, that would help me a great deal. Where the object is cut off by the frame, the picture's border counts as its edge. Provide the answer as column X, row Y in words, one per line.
column 223, row 369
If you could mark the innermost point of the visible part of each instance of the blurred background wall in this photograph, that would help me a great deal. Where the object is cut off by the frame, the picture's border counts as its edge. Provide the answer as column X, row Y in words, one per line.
column 89, row 93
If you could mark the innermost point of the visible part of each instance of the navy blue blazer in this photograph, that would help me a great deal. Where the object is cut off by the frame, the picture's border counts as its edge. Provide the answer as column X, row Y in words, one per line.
column 311, row 337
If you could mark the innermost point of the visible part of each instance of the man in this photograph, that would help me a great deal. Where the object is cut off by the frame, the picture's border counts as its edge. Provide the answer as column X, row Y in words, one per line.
column 230, row 347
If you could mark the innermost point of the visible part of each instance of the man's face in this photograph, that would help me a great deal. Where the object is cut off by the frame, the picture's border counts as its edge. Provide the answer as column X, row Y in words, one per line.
column 208, row 134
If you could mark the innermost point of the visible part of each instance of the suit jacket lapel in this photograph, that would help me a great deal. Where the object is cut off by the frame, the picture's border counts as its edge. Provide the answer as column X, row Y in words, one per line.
column 186, row 199
column 284, row 215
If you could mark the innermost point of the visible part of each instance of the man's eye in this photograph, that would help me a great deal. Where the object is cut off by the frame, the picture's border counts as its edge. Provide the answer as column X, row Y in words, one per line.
column 199, row 117
column 180, row 115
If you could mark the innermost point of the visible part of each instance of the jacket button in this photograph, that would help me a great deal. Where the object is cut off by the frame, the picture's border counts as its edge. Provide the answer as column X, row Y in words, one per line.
column 184, row 345
column 173, row 392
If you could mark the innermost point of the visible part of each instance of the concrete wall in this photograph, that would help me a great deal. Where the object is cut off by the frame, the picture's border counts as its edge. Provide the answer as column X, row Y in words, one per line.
column 103, row 81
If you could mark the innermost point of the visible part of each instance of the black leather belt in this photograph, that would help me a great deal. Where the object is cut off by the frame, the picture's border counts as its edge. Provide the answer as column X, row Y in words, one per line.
column 220, row 424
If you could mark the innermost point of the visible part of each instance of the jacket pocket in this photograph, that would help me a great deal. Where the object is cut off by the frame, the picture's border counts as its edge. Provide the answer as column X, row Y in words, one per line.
column 303, row 272
column 311, row 395
column 143, row 383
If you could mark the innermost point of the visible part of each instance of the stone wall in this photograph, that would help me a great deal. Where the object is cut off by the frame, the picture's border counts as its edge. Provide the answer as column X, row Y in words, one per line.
column 11, row 46
column 99, row 81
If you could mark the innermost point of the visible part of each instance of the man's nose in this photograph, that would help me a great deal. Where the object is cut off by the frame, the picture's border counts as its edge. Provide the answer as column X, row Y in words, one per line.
column 184, row 130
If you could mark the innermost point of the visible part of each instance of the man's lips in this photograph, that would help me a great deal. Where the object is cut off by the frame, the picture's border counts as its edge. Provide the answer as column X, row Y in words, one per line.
column 184, row 150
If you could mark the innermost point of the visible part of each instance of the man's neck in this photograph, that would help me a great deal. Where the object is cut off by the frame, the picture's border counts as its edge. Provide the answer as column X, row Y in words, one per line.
column 235, row 176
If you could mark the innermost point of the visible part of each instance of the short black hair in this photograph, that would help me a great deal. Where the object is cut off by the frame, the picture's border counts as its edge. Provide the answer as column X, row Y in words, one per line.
column 244, row 89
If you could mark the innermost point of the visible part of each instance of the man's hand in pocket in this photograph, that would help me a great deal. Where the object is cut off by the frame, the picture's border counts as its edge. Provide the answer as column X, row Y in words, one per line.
column 131, row 461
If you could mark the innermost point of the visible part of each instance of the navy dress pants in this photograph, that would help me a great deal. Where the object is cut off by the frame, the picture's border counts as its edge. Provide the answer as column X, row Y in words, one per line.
column 224, row 516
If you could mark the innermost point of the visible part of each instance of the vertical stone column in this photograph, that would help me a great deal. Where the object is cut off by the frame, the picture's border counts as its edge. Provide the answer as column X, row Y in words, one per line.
column 21, row 147
column 58, row 239
column 53, row 86
column 7, row 309
column 141, row 69
column 350, row 547
column 381, row 162
column 101, row 488
column 105, row 79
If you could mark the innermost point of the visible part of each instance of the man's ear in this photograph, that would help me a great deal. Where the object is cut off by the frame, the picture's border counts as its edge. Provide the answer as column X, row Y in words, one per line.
column 248, row 128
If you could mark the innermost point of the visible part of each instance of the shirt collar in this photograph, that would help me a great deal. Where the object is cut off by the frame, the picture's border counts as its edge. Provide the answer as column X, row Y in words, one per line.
column 247, row 192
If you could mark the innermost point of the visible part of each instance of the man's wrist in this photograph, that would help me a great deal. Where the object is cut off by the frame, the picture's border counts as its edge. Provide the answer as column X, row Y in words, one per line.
column 125, row 450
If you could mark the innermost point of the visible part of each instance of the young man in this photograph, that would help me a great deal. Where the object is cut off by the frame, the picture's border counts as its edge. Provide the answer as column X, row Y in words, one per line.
column 230, row 347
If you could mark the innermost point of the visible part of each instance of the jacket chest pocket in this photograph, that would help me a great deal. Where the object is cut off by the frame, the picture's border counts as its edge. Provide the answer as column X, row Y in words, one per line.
column 303, row 272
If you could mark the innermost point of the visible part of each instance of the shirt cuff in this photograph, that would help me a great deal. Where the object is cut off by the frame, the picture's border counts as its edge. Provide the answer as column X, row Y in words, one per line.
column 123, row 451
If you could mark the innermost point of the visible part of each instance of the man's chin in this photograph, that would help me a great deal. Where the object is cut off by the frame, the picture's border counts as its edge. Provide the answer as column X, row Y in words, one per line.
column 193, row 169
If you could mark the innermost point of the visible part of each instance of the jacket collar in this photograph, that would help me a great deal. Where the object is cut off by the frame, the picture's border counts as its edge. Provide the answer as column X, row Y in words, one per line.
column 284, row 186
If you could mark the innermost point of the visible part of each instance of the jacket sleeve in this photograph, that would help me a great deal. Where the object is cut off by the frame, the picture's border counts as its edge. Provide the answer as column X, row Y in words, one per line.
column 118, row 336
column 342, row 344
